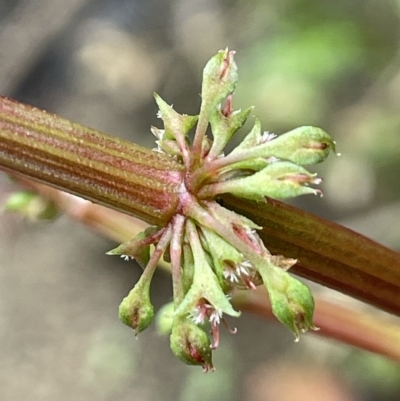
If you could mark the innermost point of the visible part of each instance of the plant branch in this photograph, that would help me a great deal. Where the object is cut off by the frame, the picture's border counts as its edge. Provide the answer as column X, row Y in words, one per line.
column 327, row 253
column 146, row 184
column 85, row 162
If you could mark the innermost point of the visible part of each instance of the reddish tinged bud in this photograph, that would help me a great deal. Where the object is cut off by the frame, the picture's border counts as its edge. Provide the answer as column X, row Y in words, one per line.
column 291, row 300
column 219, row 80
column 279, row 180
column 136, row 310
column 303, row 145
column 191, row 344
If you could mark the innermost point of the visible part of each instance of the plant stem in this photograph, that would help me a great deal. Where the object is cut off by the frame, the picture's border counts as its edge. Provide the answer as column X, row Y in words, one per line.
column 176, row 258
column 85, row 162
column 146, row 184
column 327, row 253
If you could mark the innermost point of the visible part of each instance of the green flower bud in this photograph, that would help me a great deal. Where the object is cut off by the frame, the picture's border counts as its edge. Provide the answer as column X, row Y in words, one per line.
column 303, row 145
column 31, row 205
column 136, row 310
column 280, row 180
column 292, row 302
column 219, row 80
column 190, row 343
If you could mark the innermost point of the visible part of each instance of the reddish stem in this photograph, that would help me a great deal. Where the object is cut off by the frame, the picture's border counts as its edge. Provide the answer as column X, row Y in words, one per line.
column 88, row 163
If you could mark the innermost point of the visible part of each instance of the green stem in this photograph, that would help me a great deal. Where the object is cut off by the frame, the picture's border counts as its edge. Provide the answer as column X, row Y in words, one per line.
column 199, row 135
column 176, row 257
column 211, row 190
column 159, row 249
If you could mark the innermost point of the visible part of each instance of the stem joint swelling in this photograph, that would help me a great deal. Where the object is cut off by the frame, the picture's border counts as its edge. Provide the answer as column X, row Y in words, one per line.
column 213, row 250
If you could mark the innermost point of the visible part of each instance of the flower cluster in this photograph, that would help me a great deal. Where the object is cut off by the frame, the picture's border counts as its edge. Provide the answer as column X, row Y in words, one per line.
column 213, row 250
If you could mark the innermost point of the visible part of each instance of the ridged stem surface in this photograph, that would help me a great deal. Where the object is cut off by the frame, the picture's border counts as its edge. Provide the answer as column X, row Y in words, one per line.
column 327, row 253
column 85, row 162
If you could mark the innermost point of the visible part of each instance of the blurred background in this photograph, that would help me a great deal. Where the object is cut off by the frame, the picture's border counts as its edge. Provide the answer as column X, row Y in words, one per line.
column 335, row 65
